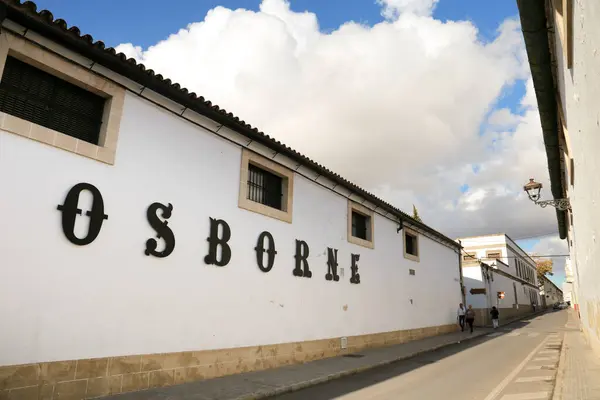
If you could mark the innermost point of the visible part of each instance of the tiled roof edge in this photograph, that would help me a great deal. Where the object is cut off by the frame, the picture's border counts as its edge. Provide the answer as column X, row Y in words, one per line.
column 57, row 30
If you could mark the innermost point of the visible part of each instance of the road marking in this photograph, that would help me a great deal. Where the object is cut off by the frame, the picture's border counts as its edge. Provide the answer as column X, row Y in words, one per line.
column 526, row 396
column 546, row 359
column 548, row 352
column 509, row 378
column 513, row 333
column 534, row 379
column 533, row 334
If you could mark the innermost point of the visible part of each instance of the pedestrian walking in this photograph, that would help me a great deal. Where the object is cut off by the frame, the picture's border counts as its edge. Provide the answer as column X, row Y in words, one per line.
column 495, row 314
column 460, row 315
column 470, row 317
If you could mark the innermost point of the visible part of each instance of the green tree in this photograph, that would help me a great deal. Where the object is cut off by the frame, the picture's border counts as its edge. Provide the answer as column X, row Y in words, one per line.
column 416, row 214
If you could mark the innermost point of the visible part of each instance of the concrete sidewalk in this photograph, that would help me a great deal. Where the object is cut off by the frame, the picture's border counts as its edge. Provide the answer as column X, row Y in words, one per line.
column 267, row 383
column 272, row 382
column 578, row 376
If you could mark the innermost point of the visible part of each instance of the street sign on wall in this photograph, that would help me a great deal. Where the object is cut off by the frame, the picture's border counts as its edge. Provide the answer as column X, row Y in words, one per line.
column 477, row 291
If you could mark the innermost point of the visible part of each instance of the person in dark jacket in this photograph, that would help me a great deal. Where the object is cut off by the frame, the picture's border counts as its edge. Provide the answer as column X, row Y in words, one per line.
column 495, row 314
column 470, row 317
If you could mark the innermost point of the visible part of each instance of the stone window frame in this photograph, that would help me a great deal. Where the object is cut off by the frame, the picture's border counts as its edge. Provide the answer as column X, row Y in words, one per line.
column 470, row 257
column 47, row 61
column 414, row 234
column 563, row 21
column 488, row 252
column 287, row 175
column 367, row 212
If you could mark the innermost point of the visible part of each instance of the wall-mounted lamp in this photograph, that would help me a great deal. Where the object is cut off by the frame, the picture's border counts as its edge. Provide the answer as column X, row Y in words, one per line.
column 533, row 190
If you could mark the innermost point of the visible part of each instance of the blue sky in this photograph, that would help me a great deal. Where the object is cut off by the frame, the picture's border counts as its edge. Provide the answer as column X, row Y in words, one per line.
column 146, row 22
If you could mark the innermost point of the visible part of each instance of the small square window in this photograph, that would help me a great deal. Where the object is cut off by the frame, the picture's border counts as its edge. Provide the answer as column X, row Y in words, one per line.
column 360, row 223
column 44, row 99
column 411, row 244
column 572, row 172
column 264, row 187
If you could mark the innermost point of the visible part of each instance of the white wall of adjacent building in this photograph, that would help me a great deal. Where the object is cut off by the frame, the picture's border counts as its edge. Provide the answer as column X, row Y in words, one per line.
column 502, row 253
column 579, row 87
column 62, row 301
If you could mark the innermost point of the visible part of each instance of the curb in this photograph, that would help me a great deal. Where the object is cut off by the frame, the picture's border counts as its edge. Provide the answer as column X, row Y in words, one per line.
column 313, row 382
column 557, row 391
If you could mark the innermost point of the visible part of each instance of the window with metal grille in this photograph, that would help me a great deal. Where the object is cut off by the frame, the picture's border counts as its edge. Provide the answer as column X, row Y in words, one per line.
column 493, row 255
column 359, row 225
column 410, row 244
column 470, row 257
column 264, row 187
column 39, row 97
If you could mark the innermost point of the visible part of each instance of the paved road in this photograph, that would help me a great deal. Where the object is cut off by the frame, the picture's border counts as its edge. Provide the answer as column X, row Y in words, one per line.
column 515, row 363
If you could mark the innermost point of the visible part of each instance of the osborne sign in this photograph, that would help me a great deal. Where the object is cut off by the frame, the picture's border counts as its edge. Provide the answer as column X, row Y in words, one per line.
column 265, row 245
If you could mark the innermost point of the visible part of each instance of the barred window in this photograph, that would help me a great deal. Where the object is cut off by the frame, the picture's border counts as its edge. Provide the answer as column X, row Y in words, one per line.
column 360, row 223
column 41, row 98
column 264, row 187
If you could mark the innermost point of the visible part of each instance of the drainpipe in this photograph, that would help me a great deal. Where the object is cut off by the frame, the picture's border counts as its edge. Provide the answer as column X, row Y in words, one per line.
column 460, row 271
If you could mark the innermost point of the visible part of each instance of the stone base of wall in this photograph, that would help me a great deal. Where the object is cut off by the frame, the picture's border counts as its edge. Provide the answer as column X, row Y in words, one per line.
column 91, row 378
column 483, row 317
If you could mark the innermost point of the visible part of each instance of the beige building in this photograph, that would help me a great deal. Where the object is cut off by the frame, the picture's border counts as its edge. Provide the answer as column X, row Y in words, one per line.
column 562, row 38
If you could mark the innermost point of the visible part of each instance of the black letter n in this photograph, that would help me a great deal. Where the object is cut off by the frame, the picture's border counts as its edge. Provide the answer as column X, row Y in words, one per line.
column 332, row 265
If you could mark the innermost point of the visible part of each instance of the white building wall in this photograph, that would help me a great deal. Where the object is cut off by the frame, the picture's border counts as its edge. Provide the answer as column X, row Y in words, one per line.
column 473, row 279
column 579, row 89
column 61, row 301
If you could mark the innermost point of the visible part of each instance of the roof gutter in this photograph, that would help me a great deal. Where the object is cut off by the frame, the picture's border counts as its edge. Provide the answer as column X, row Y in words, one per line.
column 535, row 31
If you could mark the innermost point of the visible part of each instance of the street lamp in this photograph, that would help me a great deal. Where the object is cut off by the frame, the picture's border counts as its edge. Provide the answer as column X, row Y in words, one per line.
column 533, row 190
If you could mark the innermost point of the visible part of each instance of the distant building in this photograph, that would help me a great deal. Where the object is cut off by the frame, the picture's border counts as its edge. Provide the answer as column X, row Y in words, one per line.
column 550, row 293
column 151, row 238
column 562, row 38
column 497, row 272
column 568, row 287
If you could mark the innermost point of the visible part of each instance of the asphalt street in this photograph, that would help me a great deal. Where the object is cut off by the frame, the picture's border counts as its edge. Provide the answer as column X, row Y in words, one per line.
column 516, row 362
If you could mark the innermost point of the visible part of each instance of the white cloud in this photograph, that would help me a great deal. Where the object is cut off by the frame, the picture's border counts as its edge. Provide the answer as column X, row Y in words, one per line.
column 397, row 107
column 392, row 9
column 503, row 118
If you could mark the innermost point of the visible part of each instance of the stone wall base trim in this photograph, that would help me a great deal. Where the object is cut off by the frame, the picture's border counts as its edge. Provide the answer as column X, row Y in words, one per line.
column 507, row 314
column 99, row 377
